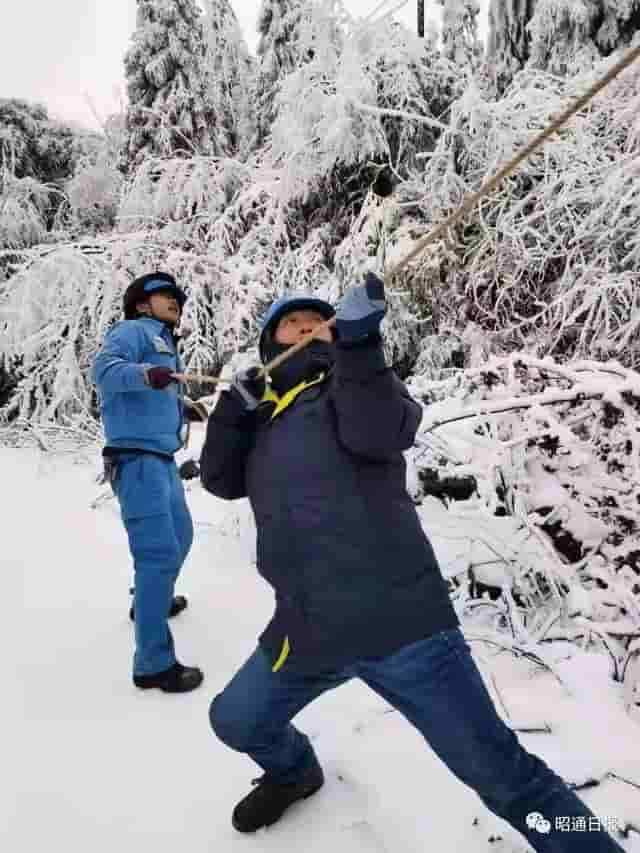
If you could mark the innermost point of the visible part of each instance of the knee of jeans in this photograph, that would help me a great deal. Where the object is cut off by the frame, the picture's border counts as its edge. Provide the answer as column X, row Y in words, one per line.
column 229, row 724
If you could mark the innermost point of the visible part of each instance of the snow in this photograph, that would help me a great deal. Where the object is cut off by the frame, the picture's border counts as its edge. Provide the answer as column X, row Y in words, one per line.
column 96, row 765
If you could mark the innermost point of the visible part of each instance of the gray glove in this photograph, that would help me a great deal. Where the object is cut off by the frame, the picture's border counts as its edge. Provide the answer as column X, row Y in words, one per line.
column 249, row 386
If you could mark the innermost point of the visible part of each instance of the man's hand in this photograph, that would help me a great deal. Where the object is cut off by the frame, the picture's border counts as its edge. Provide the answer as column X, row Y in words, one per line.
column 249, row 386
column 158, row 377
column 360, row 311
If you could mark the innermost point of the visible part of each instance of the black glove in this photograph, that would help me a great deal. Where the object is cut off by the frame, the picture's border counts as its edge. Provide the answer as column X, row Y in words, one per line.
column 158, row 377
column 189, row 470
column 249, row 386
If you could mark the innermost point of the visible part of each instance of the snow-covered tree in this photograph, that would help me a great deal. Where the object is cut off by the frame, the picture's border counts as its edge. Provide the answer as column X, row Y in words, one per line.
column 38, row 155
column 509, row 42
column 460, row 42
column 366, row 93
column 23, row 207
column 568, row 35
column 231, row 77
column 94, row 192
column 279, row 53
column 170, row 109
column 34, row 145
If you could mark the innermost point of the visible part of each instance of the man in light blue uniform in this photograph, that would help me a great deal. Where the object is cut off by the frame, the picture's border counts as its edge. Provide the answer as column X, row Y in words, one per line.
column 142, row 413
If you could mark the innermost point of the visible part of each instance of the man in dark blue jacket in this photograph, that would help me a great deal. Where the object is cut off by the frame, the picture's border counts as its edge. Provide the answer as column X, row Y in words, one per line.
column 142, row 414
column 358, row 590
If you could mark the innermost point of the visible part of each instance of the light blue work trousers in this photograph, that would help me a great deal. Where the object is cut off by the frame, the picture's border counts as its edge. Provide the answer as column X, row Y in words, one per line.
column 160, row 531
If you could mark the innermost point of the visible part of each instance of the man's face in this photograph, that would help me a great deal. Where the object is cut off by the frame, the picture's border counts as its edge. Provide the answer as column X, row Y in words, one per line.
column 162, row 305
column 297, row 324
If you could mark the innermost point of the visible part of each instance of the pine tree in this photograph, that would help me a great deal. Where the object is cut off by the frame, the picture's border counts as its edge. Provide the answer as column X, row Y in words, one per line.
column 279, row 54
column 169, row 105
column 567, row 35
column 231, row 77
column 509, row 44
column 460, row 31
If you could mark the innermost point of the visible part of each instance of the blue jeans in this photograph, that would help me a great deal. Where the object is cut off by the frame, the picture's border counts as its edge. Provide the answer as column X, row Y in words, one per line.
column 160, row 531
column 436, row 685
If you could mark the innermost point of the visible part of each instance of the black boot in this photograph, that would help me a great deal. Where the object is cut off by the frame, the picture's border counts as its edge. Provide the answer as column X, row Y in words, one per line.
column 176, row 679
column 178, row 604
column 269, row 800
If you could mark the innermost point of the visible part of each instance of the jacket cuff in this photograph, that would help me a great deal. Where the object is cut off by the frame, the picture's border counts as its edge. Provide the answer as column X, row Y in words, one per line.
column 145, row 376
column 361, row 361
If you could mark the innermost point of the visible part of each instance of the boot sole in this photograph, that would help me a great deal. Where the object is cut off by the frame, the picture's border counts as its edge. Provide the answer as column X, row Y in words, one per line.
column 163, row 687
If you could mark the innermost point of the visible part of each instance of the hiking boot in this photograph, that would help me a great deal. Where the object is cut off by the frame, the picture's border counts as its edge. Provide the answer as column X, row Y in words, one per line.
column 269, row 800
column 178, row 604
column 176, row 679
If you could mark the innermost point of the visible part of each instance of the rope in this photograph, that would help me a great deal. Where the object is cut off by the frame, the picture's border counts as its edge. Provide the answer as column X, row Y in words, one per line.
column 470, row 202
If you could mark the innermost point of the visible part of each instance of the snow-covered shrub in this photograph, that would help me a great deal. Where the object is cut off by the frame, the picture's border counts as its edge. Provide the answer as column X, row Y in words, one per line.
column 554, row 521
column 23, row 206
column 53, row 312
column 94, row 193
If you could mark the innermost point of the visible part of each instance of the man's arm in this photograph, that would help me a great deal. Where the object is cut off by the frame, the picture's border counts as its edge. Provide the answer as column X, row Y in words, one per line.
column 375, row 415
column 117, row 366
column 229, row 438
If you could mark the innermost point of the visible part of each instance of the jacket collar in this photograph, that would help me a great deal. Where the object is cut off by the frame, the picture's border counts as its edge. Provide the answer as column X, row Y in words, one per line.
column 287, row 399
column 156, row 326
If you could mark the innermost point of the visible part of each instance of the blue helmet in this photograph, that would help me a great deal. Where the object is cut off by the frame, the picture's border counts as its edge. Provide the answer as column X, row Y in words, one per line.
column 282, row 306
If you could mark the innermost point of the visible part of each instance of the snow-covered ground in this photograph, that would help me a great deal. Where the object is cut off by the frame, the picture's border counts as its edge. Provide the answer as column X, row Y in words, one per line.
column 92, row 764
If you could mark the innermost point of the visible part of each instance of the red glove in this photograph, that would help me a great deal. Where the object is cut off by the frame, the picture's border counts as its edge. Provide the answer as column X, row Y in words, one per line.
column 158, row 377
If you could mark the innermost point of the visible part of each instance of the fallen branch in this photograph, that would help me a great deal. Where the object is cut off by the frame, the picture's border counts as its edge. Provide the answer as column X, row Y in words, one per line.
column 557, row 397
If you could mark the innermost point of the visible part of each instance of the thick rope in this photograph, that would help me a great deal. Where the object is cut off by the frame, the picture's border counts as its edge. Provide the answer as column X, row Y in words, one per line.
column 470, row 202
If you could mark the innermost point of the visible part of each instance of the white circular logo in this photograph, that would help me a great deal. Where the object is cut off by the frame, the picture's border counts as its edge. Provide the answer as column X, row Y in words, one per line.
column 538, row 822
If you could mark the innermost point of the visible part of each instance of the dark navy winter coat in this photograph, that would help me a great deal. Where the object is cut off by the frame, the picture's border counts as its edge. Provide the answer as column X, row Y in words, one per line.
column 339, row 538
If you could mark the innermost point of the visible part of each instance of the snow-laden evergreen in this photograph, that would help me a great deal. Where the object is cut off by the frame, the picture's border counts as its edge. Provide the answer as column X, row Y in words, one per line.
column 567, row 35
column 170, row 106
column 279, row 53
column 558, row 36
column 231, row 76
column 509, row 38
